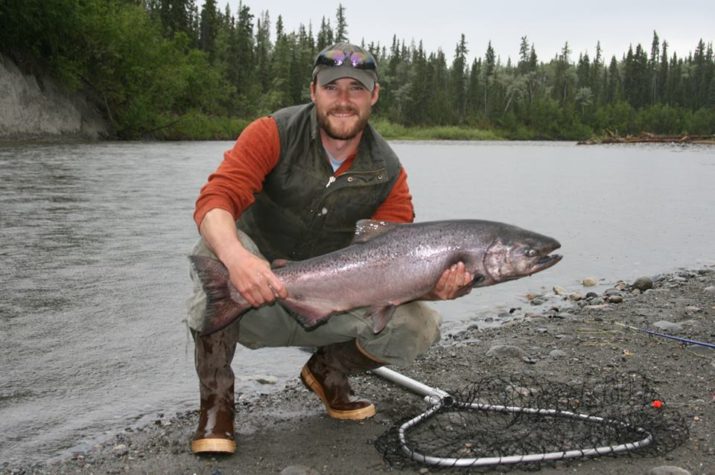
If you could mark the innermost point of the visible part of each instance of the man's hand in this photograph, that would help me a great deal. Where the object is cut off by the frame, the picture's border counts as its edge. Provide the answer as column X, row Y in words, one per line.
column 254, row 279
column 455, row 282
column 251, row 275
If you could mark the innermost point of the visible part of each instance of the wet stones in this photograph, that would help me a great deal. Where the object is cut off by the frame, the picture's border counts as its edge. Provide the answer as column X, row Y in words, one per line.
column 668, row 470
column 589, row 282
column 669, row 327
column 299, row 470
column 575, row 296
column 642, row 284
column 508, row 351
column 120, row 450
column 559, row 290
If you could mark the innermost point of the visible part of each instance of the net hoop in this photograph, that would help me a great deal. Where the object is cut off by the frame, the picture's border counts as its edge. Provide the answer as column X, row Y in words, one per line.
column 515, row 459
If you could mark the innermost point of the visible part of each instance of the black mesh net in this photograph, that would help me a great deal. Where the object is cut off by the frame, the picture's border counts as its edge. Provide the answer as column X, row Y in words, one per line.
column 527, row 421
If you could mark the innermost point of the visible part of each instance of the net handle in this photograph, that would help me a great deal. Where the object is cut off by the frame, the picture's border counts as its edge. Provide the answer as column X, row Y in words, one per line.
column 431, row 395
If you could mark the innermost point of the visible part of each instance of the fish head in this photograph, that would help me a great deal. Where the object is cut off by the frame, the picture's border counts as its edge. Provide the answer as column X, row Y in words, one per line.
column 518, row 254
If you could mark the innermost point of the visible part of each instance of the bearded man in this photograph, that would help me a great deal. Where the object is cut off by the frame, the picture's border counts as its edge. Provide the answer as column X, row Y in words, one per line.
column 293, row 187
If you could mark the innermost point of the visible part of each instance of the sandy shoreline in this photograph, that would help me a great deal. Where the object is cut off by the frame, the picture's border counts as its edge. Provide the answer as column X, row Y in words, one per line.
column 288, row 432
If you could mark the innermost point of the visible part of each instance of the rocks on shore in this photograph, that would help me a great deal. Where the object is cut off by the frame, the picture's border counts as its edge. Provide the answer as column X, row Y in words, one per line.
column 668, row 470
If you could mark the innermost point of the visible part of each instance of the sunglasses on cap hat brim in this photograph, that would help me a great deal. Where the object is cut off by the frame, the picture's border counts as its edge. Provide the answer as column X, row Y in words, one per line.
column 347, row 56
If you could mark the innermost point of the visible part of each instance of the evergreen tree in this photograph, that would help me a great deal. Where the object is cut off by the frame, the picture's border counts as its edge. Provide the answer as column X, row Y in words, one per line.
column 474, row 90
column 636, row 78
column 524, row 66
column 341, row 29
column 325, row 34
column 281, row 60
column 175, row 16
column 613, row 82
column 675, row 81
column 564, row 80
column 415, row 95
column 662, row 81
column 708, row 99
column 209, row 27
column 653, row 66
column 583, row 71
column 489, row 69
column 439, row 106
column 244, row 61
column 699, row 79
column 263, row 52
column 459, row 79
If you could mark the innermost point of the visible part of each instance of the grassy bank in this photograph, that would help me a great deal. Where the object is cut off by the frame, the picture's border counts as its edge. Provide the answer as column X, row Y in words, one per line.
column 392, row 131
column 198, row 126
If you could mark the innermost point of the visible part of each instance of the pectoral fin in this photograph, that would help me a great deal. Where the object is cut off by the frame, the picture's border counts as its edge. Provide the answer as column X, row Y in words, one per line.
column 380, row 316
column 308, row 314
column 278, row 263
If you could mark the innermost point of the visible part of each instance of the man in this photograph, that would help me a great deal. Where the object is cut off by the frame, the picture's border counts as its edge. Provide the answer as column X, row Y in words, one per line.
column 293, row 187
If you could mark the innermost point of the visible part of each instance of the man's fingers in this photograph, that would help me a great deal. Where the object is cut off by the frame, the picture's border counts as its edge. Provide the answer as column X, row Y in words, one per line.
column 267, row 287
column 276, row 286
column 453, row 281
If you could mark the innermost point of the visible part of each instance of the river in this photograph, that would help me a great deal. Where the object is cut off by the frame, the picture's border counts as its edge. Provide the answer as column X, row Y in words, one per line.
column 94, row 272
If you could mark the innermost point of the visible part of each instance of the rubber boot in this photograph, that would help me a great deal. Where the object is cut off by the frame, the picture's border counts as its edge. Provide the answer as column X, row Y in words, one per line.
column 326, row 374
column 213, row 356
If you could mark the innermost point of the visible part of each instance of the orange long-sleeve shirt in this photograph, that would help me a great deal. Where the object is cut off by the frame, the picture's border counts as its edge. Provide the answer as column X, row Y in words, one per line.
column 256, row 152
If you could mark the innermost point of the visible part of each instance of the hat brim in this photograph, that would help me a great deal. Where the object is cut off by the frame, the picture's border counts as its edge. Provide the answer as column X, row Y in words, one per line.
column 327, row 74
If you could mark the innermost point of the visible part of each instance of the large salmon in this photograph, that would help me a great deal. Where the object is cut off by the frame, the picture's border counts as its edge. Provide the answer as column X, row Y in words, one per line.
column 386, row 265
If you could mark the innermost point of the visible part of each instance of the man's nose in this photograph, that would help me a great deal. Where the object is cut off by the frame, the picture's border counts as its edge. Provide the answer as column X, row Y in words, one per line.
column 343, row 94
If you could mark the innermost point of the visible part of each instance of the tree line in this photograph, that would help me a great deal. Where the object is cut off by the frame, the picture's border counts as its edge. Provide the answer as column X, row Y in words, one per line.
column 167, row 68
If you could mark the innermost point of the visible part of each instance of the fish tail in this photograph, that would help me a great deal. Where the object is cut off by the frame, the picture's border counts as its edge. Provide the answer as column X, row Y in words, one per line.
column 221, row 310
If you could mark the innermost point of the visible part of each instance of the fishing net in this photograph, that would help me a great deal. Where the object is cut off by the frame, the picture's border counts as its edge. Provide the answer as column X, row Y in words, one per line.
column 526, row 421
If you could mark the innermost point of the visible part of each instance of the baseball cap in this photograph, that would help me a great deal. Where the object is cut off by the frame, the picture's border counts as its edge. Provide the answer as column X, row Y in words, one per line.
column 343, row 60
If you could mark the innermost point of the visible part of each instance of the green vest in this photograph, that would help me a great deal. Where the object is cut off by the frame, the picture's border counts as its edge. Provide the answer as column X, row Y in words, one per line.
column 303, row 209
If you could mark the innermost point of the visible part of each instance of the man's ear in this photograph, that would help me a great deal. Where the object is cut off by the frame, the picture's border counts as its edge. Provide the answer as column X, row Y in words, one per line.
column 375, row 94
column 312, row 90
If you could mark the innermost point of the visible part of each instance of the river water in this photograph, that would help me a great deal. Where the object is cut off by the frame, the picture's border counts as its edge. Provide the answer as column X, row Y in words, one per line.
column 93, row 269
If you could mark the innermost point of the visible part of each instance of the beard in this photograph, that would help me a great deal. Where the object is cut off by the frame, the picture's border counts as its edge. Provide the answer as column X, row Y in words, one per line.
column 339, row 129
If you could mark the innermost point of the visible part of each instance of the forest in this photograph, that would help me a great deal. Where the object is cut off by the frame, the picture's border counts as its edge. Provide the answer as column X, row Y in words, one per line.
column 167, row 69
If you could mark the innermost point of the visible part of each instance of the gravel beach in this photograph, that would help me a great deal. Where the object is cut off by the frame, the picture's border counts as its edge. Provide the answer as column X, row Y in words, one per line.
column 559, row 336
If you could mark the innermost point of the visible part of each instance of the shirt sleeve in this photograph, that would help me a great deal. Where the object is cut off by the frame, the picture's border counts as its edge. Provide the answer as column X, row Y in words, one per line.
column 397, row 207
column 241, row 173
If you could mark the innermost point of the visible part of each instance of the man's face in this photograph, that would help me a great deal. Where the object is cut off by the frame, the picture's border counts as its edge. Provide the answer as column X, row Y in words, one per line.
column 343, row 106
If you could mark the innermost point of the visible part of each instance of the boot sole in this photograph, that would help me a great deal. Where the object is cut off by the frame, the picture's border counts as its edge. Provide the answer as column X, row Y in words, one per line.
column 355, row 415
column 216, row 446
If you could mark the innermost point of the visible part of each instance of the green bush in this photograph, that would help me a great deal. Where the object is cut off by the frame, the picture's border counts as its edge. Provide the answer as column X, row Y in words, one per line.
column 195, row 125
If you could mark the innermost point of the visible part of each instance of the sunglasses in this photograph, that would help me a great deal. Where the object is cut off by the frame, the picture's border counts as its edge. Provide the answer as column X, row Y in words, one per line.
column 338, row 57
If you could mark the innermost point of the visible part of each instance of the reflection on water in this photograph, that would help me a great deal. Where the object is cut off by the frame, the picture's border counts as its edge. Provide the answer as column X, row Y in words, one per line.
column 94, row 272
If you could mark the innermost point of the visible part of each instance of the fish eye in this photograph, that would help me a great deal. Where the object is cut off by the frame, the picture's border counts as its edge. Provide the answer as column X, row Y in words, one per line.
column 530, row 252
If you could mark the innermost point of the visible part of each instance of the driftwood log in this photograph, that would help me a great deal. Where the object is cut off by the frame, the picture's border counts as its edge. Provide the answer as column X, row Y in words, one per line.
column 650, row 138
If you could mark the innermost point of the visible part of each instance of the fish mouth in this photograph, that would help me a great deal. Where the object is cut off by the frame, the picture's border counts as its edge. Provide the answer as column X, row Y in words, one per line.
column 544, row 262
column 547, row 261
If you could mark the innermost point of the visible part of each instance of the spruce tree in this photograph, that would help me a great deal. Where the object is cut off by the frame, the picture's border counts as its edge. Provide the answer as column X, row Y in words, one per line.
column 341, row 29
column 458, row 79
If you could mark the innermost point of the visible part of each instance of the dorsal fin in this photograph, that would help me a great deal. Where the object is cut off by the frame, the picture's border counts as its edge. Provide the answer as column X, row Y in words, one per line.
column 367, row 229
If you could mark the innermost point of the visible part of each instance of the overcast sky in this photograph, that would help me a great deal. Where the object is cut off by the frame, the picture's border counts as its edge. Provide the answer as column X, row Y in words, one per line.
column 548, row 24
